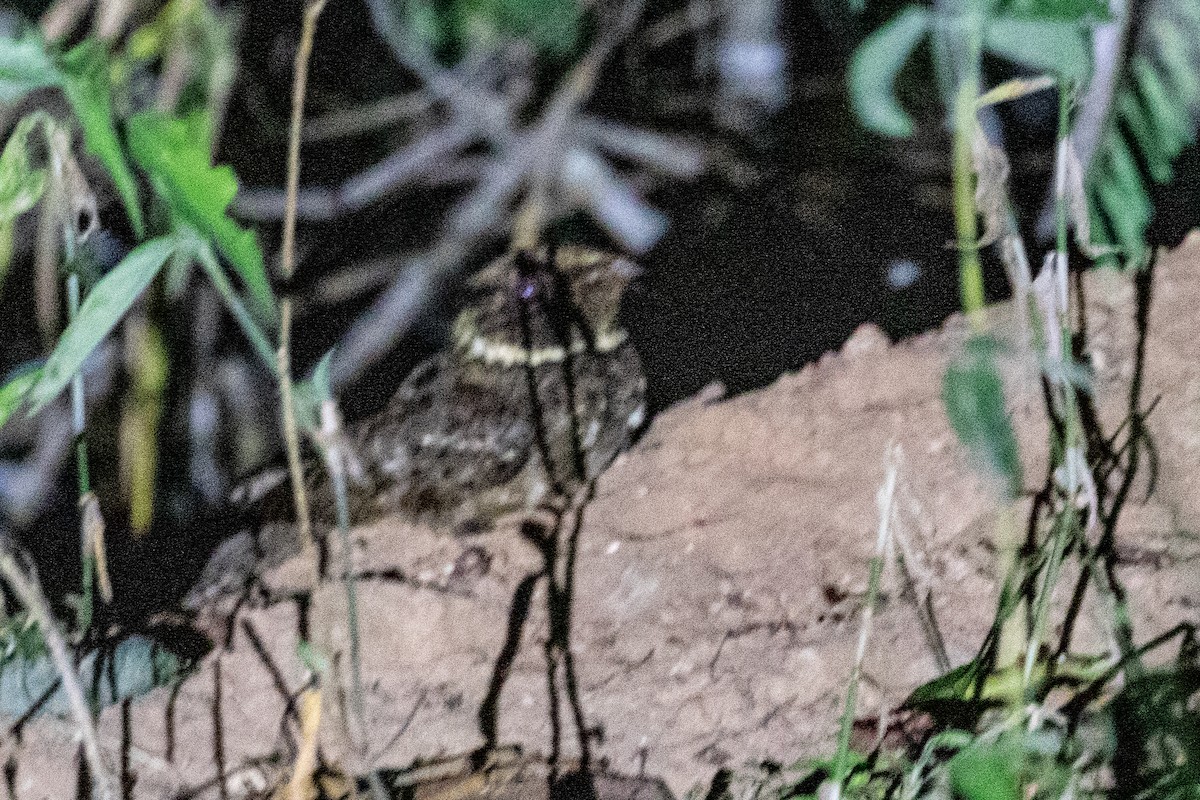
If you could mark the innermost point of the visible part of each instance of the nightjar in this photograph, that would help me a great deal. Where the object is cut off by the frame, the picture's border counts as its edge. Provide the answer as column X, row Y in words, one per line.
column 538, row 391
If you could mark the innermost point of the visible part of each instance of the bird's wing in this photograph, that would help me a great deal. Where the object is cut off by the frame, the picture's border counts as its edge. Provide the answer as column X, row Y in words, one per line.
column 447, row 430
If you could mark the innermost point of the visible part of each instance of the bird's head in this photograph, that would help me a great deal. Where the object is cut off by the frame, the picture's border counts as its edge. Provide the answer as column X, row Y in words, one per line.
column 529, row 306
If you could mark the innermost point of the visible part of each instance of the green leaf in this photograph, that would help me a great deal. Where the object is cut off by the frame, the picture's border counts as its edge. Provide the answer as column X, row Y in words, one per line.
column 1071, row 10
column 1174, row 55
column 1167, row 112
column 320, row 377
column 974, row 398
column 21, row 186
column 85, row 83
column 174, row 152
column 553, row 26
column 12, row 394
column 422, row 20
column 1131, row 110
column 873, row 72
column 24, row 66
column 988, row 771
column 309, row 395
column 101, row 311
column 135, row 666
column 1041, row 45
column 1123, row 195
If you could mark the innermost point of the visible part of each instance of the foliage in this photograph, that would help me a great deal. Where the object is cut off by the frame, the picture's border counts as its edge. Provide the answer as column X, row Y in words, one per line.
column 21, row 185
column 104, row 307
column 1049, row 722
column 1152, row 118
column 1039, row 36
column 84, row 80
column 28, row 678
column 173, row 152
column 553, row 26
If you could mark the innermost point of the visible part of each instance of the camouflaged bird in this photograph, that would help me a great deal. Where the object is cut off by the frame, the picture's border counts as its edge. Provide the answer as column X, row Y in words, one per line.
column 539, row 390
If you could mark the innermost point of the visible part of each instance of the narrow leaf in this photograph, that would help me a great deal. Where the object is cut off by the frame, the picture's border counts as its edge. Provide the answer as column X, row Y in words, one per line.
column 85, row 83
column 174, row 152
column 974, row 398
column 1073, row 10
column 21, row 186
column 1014, row 89
column 101, row 311
column 873, row 72
column 1168, row 115
column 13, row 392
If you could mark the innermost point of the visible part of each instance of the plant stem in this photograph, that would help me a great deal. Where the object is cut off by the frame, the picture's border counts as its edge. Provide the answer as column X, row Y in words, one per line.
column 335, row 465
column 87, row 555
column 258, row 340
column 970, row 270
column 886, row 500
column 287, row 267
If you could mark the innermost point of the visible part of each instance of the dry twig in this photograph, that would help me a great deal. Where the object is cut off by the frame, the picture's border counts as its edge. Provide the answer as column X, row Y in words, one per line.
column 24, row 584
column 291, row 437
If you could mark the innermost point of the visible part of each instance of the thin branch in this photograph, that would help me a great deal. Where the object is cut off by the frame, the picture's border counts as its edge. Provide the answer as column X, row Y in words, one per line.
column 670, row 155
column 291, row 436
column 29, row 592
column 401, row 168
column 366, row 118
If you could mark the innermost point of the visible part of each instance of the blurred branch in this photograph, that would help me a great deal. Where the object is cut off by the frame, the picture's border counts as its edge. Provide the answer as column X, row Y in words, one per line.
column 613, row 203
column 403, row 167
column 110, row 17
column 487, row 208
column 667, row 154
column 533, row 158
column 696, row 15
column 367, row 118
column 61, row 18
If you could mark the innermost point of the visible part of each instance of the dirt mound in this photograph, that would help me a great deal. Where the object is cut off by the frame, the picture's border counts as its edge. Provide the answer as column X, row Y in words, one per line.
column 719, row 583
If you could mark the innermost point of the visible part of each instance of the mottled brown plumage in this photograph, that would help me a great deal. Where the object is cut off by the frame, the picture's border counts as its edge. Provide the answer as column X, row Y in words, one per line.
column 463, row 442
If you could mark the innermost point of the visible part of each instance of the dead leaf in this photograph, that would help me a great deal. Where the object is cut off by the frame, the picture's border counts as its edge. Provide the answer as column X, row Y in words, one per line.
column 991, row 186
column 92, row 527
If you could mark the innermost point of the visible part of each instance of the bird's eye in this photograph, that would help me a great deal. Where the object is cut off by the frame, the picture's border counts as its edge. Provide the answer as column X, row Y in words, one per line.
column 527, row 288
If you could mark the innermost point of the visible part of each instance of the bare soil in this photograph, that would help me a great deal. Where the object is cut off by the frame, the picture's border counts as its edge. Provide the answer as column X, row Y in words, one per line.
column 719, row 585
